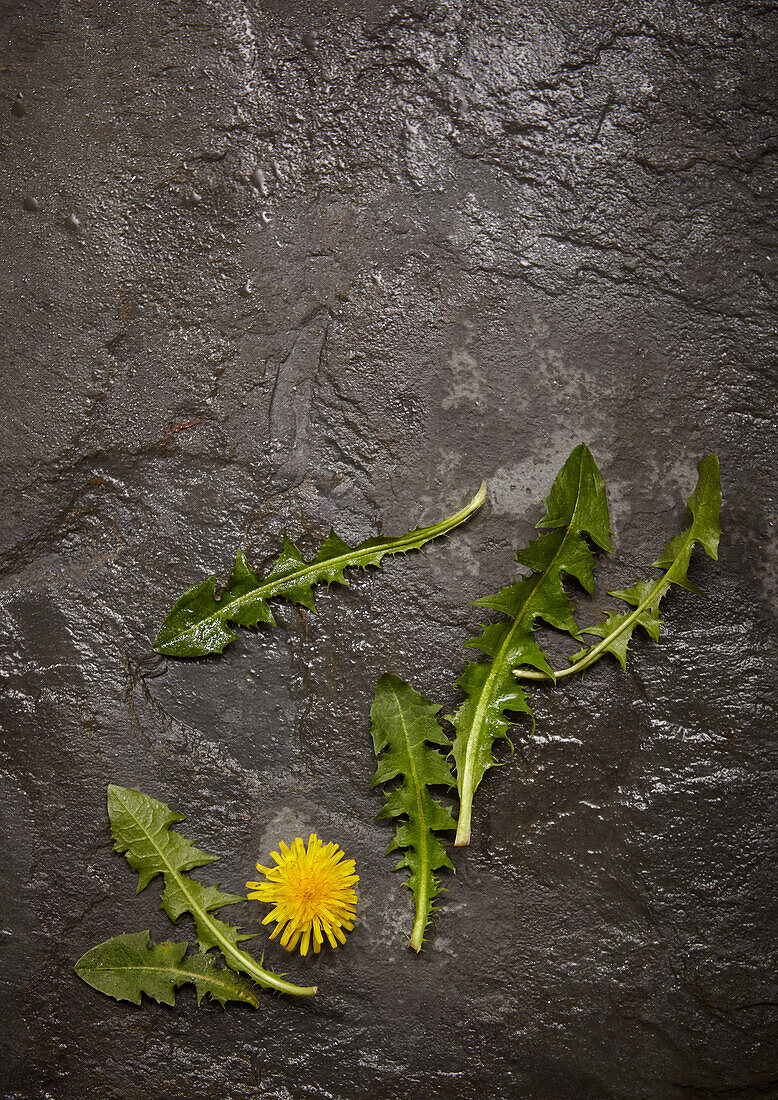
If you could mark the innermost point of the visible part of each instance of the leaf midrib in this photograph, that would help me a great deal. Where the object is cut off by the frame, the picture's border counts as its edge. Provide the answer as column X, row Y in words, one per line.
column 423, row 900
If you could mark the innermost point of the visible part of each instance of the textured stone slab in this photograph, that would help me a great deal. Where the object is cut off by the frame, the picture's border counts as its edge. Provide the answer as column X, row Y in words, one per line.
column 279, row 266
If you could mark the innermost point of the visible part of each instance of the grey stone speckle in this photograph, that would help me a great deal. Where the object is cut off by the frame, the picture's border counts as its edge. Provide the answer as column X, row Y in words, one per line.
column 497, row 230
column 259, row 179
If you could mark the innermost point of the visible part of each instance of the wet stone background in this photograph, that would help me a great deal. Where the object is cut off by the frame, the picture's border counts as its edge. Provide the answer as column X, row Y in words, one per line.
column 275, row 266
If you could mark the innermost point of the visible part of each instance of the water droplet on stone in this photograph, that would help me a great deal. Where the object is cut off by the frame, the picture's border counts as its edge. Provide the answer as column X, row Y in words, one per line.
column 194, row 198
column 259, row 180
column 247, row 290
column 266, row 217
column 72, row 223
column 18, row 108
column 30, row 203
column 310, row 40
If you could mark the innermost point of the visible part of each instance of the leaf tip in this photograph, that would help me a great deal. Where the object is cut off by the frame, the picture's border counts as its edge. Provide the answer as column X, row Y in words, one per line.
column 115, row 795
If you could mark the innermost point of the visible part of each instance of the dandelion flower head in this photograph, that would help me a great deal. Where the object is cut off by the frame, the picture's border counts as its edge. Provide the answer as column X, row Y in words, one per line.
column 312, row 894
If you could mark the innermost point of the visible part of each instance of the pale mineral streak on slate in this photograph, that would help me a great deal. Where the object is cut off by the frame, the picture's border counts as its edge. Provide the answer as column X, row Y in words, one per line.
column 490, row 231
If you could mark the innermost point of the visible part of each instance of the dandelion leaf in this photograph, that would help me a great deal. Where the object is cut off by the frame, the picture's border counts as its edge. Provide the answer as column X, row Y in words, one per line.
column 407, row 740
column 576, row 518
column 200, row 621
column 127, row 965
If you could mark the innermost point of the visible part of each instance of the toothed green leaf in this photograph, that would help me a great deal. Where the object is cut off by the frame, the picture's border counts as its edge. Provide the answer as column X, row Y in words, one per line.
column 702, row 516
column 405, row 729
column 126, row 966
column 576, row 507
column 200, row 621
column 141, row 830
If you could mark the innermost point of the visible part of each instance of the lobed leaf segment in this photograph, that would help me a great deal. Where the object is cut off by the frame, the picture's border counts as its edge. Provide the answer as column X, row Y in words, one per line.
column 200, row 621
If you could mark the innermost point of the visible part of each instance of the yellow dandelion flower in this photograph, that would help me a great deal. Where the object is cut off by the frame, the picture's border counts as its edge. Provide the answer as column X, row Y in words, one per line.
column 311, row 892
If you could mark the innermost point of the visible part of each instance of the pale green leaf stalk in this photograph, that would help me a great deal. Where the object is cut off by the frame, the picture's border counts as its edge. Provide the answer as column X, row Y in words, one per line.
column 644, row 597
column 126, row 966
column 141, row 830
column 199, row 623
column 404, row 729
column 577, row 507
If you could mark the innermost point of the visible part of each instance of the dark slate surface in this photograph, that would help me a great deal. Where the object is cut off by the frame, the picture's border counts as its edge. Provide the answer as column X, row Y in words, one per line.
column 480, row 233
